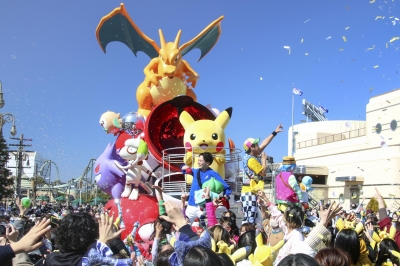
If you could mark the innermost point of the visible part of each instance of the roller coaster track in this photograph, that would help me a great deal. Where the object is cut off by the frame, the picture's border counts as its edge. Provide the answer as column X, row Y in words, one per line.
column 87, row 177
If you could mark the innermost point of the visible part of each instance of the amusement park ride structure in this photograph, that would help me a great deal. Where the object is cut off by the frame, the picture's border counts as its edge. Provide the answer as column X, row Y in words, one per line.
column 85, row 181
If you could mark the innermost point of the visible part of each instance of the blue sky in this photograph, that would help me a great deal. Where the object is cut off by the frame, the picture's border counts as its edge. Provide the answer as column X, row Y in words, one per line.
column 57, row 81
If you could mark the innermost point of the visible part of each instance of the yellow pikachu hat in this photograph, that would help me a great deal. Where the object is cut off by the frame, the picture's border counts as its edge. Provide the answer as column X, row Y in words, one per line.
column 238, row 255
column 264, row 255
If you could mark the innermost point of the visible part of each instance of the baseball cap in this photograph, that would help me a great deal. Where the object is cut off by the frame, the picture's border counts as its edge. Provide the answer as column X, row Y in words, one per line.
column 248, row 142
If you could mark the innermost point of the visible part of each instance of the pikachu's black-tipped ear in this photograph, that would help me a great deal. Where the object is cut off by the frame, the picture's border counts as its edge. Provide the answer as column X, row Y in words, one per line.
column 180, row 110
column 229, row 111
column 224, row 117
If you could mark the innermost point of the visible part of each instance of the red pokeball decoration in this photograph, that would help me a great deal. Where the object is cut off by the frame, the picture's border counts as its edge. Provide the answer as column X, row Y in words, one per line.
column 163, row 129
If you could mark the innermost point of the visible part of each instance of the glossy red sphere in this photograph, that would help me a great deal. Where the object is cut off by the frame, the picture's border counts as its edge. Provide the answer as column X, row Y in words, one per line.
column 144, row 209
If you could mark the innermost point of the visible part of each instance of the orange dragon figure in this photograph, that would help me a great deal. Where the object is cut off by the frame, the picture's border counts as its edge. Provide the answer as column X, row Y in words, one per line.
column 167, row 75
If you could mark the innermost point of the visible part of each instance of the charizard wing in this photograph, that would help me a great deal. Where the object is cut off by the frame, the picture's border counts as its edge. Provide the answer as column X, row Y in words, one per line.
column 206, row 40
column 118, row 26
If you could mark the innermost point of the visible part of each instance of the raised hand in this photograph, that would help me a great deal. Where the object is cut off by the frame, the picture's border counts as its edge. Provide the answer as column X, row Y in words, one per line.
column 11, row 233
column 330, row 213
column 279, row 128
column 174, row 214
column 184, row 196
column 21, row 208
column 31, row 240
column 159, row 229
column 106, row 229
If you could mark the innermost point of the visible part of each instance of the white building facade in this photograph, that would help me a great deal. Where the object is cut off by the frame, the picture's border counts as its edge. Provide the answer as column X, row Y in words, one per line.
column 358, row 155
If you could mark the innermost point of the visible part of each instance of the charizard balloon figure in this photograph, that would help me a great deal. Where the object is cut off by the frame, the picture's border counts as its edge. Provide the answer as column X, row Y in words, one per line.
column 167, row 75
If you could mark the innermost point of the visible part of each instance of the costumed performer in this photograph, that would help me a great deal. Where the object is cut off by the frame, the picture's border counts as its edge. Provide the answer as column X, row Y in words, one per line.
column 204, row 173
column 254, row 173
column 288, row 191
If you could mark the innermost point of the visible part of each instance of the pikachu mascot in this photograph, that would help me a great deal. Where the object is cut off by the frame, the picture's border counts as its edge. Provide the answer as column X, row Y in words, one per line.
column 205, row 136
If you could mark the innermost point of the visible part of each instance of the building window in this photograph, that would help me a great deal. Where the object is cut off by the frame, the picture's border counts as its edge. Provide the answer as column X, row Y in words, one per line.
column 378, row 128
column 393, row 125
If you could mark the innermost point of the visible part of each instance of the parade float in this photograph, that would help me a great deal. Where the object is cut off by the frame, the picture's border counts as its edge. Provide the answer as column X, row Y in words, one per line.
column 169, row 129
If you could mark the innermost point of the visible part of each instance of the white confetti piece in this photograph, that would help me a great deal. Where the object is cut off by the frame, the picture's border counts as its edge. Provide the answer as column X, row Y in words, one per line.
column 379, row 17
column 302, row 40
column 307, row 20
column 387, row 45
column 341, row 49
column 394, row 39
column 347, row 28
column 329, row 37
column 261, row 78
column 286, row 47
column 372, row 48
column 376, row 66
column 306, row 54
column 372, row 1
column 344, row 38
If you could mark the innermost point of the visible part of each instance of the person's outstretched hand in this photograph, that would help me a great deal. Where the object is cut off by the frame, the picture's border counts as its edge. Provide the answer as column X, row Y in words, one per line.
column 159, row 229
column 21, row 208
column 31, row 240
column 330, row 213
column 174, row 214
column 12, row 233
column 279, row 128
column 184, row 196
column 106, row 229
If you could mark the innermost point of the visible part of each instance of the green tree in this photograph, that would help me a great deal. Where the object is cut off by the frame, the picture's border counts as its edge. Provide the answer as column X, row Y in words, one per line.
column 6, row 182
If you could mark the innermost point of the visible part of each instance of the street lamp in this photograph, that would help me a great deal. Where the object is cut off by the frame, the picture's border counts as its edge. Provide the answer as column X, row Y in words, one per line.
column 7, row 117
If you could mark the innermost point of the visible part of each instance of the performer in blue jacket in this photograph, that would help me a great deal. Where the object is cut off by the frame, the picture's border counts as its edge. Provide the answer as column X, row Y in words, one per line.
column 203, row 174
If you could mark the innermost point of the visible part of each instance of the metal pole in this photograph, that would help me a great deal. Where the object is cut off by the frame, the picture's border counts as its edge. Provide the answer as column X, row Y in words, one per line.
column 292, row 120
column 80, row 193
column 20, row 167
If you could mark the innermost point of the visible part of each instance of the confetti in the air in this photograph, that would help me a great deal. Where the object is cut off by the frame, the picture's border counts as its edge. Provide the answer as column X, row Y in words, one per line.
column 260, row 78
column 341, row 49
column 329, row 37
column 372, row 48
column 387, row 45
column 379, row 17
column 376, row 66
column 306, row 54
column 307, row 20
column 394, row 39
column 287, row 47
column 302, row 40
column 372, row 1
column 371, row 89
column 344, row 38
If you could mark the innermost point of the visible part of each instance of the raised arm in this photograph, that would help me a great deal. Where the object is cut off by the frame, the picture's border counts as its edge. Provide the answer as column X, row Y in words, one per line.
column 268, row 139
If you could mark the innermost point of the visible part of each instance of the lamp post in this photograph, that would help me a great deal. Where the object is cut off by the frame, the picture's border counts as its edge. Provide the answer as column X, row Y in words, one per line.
column 6, row 117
